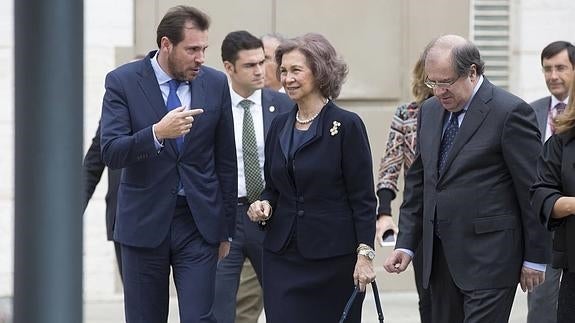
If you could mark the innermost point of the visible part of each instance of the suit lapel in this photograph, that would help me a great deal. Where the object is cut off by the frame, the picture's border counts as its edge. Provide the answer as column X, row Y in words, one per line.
column 151, row 91
column 286, row 132
column 268, row 110
column 150, row 88
column 318, row 127
column 541, row 113
column 476, row 113
column 198, row 94
column 436, row 123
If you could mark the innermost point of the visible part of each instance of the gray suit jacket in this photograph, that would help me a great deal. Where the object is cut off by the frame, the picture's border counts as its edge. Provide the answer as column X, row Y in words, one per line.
column 480, row 201
column 541, row 108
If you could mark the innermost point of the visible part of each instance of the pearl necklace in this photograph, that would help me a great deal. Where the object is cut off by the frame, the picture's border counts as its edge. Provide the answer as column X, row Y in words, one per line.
column 306, row 121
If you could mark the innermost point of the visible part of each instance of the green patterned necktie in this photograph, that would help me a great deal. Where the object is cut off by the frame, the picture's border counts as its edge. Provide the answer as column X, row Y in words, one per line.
column 252, row 171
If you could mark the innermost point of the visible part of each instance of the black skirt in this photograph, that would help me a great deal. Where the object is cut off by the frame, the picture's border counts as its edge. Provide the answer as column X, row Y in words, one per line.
column 308, row 290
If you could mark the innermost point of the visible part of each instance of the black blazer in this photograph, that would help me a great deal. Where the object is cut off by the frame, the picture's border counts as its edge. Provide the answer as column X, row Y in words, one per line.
column 92, row 169
column 556, row 178
column 481, row 198
column 330, row 198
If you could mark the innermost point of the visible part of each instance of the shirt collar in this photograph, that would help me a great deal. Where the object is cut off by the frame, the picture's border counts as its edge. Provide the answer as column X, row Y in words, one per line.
column 554, row 101
column 256, row 97
column 475, row 89
column 161, row 76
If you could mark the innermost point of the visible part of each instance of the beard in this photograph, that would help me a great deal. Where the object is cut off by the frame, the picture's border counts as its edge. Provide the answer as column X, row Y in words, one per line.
column 179, row 70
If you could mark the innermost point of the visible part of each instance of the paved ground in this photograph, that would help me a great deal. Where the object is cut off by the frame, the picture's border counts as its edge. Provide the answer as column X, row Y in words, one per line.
column 398, row 307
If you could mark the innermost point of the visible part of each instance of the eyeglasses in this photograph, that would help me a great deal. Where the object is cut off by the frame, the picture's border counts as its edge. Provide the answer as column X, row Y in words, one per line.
column 558, row 68
column 443, row 85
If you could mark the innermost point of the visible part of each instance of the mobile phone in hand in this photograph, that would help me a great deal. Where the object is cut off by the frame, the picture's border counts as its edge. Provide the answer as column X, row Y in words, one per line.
column 388, row 238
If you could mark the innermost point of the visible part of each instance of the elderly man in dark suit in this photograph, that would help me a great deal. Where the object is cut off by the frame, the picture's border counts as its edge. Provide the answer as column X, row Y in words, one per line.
column 558, row 65
column 467, row 192
column 166, row 120
column 254, row 107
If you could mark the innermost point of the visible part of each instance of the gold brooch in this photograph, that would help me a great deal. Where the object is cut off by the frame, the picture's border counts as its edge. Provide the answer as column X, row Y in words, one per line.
column 334, row 130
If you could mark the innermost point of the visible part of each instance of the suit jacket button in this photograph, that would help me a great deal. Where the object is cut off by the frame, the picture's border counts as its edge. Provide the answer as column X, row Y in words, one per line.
column 300, row 213
column 174, row 192
column 300, row 199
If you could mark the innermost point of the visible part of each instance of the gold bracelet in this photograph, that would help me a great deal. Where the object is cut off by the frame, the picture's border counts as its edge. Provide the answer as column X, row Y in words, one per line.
column 363, row 246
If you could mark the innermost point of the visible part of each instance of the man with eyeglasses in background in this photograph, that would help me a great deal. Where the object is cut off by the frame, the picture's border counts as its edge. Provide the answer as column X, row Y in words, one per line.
column 467, row 192
column 558, row 65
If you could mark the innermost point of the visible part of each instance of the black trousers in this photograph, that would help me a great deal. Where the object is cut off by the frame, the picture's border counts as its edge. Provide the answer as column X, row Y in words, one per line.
column 423, row 293
column 566, row 302
column 454, row 305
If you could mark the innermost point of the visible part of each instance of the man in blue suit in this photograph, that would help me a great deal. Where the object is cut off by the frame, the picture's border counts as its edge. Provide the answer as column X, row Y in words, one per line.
column 166, row 120
column 244, row 61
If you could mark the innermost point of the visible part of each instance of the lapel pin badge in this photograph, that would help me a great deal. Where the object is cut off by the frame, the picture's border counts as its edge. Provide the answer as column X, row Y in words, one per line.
column 334, row 130
column 272, row 108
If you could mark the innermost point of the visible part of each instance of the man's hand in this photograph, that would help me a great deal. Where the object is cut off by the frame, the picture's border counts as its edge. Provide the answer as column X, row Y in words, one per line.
column 531, row 278
column 175, row 123
column 384, row 223
column 396, row 262
column 259, row 211
column 224, row 250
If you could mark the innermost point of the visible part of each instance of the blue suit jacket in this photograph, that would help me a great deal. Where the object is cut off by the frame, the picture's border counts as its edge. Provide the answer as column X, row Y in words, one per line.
column 331, row 193
column 206, row 166
column 273, row 104
column 541, row 108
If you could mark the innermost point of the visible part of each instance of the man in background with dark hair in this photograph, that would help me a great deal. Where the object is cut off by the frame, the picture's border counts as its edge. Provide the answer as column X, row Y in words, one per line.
column 250, row 301
column 558, row 66
column 166, row 121
column 253, row 108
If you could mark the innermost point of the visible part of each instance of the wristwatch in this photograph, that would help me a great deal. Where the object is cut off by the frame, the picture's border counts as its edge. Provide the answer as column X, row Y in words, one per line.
column 367, row 252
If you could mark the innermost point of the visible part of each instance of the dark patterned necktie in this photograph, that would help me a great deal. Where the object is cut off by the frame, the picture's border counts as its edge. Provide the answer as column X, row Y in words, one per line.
column 252, row 170
column 448, row 139
column 559, row 108
column 174, row 102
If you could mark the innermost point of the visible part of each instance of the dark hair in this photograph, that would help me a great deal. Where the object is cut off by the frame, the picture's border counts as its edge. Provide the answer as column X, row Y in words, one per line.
column 466, row 55
column 326, row 66
column 236, row 41
column 463, row 53
column 174, row 22
column 556, row 47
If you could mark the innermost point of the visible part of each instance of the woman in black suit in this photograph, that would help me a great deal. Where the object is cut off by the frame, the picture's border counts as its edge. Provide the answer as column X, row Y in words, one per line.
column 318, row 206
column 553, row 196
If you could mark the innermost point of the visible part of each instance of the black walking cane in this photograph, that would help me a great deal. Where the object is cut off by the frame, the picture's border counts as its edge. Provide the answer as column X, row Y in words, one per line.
column 352, row 298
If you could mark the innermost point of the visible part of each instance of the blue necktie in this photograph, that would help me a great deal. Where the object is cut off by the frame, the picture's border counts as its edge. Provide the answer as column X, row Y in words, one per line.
column 174, row 102
column 448, row 139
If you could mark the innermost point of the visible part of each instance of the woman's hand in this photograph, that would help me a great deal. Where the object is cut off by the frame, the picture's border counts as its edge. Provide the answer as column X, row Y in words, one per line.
column 260, row 211
column 384, row 223
column 364, row 273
